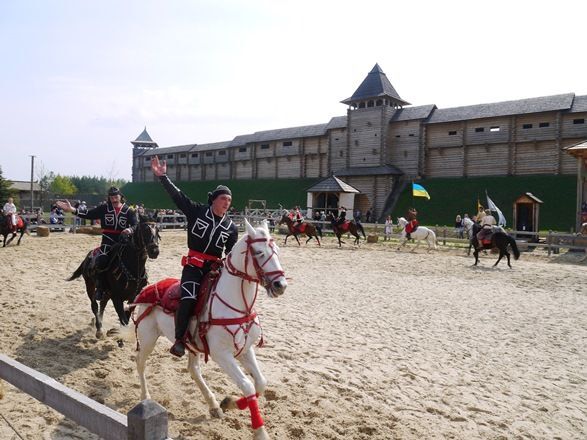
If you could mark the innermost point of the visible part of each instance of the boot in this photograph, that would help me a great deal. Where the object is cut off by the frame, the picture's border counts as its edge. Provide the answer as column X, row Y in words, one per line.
column 182, row 320
column 408, row 236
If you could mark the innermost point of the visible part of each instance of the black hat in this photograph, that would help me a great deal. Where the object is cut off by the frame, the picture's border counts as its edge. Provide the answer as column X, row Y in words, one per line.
column 113, row 191
column 220, row 189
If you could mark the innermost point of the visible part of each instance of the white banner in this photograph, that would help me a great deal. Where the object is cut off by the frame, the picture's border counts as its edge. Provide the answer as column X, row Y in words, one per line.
column 493, row 207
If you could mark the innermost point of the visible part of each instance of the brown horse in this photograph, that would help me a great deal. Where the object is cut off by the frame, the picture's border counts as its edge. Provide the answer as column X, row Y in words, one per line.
column 348, row 226
column 305, row 228
column 5, row 228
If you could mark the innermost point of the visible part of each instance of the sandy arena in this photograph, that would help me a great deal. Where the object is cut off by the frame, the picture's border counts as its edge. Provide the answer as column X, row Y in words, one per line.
column 366, row 343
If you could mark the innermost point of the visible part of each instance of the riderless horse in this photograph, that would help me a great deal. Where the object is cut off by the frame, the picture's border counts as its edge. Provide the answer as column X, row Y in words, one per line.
column 126, row 274
column 421, row 233
column 6, row 229
column 304, row 228
column 228, row 324
column 348, row 226
column 499, row 240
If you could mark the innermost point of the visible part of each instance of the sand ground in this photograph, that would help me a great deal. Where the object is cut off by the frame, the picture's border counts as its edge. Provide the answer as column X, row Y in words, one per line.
column 366, row 343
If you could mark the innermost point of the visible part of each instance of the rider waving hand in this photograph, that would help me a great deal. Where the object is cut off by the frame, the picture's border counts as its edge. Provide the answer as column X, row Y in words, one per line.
column 116, row 219
column 210, row 233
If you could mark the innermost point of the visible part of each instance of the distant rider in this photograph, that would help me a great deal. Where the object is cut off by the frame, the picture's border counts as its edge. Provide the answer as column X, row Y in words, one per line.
column 10, row 212
column 487, row 223
column 116, row 219
column 210, row 233
column 412, row 222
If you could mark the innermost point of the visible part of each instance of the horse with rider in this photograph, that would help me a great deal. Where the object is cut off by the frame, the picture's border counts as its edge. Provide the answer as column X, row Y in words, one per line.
column 340, row 225
column 11, row 223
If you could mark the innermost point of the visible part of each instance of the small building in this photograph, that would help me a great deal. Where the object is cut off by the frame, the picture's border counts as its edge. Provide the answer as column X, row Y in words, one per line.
column 22, row 188
column 330, row 194
column 527, row 214
column 580, row 152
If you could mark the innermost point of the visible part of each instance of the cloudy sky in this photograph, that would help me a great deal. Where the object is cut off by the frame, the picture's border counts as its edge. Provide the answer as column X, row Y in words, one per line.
column 80, row 79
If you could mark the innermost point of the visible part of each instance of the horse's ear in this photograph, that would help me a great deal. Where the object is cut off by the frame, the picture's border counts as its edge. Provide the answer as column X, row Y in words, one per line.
column 249, row 229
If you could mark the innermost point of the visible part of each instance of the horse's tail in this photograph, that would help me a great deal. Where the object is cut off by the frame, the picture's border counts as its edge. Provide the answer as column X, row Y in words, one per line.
column 78, row 272
column 514, row 246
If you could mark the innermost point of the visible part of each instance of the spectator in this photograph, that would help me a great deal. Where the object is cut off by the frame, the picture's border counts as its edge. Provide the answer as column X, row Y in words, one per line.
column 357, row 216
column 387, row 231
column 319, row 224
column 459, row 228
column 368, row 216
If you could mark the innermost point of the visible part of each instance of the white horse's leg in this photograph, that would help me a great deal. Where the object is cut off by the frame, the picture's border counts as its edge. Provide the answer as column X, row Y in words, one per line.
column 147, row 335
column 249, row 360
column 228, row 363
column 195, row 369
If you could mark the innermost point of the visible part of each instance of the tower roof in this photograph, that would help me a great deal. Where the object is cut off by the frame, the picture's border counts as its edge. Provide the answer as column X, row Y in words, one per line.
column 144, row 140
column 375, row 85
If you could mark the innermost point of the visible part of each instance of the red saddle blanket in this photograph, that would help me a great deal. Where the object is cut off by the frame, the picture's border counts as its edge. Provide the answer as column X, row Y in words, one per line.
column 167, row 294
column 486, row 242
column 301, row 228
column 344, row 227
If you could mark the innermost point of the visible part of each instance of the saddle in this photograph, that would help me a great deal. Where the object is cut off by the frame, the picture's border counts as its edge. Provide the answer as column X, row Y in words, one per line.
column 167, row 294
column 301, row 228
column 344, row 227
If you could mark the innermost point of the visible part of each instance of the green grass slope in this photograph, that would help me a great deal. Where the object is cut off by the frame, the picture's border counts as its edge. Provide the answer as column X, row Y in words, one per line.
column 452, row 196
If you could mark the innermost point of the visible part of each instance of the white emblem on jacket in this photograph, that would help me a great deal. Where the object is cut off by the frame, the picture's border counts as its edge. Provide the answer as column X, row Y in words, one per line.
column 200, row 227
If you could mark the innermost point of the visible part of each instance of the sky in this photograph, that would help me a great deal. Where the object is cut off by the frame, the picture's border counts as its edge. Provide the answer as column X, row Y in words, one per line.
column 79, row 80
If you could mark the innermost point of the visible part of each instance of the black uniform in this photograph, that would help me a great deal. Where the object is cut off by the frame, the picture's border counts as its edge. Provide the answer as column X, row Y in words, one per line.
column 112, row 223
column 207, row 234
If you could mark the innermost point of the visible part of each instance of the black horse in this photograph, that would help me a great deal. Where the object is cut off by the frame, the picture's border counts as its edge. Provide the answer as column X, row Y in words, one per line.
column 499, row 240
column 6, row 230
column 348, row 226
column 126, row 274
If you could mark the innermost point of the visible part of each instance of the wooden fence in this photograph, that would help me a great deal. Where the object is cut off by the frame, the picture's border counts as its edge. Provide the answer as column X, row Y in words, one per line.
column 146, row 421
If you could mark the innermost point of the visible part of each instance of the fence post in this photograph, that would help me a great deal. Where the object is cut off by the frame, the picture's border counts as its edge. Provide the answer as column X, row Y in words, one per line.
column 444, row 236
column 147, row 421
column 549, row 241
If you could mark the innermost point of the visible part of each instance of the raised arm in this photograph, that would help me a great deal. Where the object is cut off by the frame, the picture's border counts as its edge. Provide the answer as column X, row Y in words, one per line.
column 182, row 201
column 92, row 214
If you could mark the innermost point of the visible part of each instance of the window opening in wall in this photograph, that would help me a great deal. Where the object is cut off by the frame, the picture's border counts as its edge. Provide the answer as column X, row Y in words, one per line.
column 494, row 128
column 378, row 102
column 222, row 153
column 182, row 155
column 526, row 126
column 335, row 139
column 170, row 156
column 287, row 144
column 452, row 133
column 375, row 134
column 479, row 129
column 341, row 153
column 370, row 104
column 405, row 153
column 242, row 149
column 544, row 124
column 209, row 154
column 362, row 105
column 356, row 143
column 411, row 135
column 194, row 154
column 264, row 146
column 579, row 121
column 398, row 135
column 369, row 124
column 147, row 159
column 374, row 150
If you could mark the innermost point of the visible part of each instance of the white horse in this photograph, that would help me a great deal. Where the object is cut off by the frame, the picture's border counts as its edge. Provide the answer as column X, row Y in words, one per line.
column 422, row 233
column 468, row 227
column 233, row 326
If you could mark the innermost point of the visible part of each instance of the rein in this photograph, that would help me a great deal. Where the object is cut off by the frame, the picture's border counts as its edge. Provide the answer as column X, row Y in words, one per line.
column 140, row 246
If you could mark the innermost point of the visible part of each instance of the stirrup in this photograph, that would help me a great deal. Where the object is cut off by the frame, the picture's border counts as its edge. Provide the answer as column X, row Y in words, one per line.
column 178, row 348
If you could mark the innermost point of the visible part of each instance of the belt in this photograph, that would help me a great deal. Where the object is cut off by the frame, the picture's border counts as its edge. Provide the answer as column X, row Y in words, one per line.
column 198, row 259
column 111, row 231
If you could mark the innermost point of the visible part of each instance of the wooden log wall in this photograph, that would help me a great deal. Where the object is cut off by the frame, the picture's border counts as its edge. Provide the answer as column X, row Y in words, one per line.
column 403, row 139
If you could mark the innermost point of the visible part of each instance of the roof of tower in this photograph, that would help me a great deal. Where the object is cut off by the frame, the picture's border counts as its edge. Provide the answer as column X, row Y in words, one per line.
column 375, row 85
column 144, row 138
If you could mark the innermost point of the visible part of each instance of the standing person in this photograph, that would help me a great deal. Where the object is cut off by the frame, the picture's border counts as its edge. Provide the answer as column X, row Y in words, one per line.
column 10, row 212
column 357, row 216
column 319, row 225
column 368, row 216
column 388, row 229
column 459, row 226
column 210, row 233
column 116, row 219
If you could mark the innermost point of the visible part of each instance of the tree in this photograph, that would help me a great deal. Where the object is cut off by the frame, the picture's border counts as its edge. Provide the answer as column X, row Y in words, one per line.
column 62, row 186
column 5, row 190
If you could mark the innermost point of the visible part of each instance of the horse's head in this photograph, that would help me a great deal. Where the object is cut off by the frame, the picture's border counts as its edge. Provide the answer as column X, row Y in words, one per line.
column 146, row 236
column 402, row 222
column 257, row 255
column 285, row 218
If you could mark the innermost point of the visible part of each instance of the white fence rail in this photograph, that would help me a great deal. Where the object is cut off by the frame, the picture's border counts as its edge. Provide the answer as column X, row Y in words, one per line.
column 146, row 421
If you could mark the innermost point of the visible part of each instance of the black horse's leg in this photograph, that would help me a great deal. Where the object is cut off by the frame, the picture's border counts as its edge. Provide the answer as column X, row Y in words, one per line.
column 20, row 238
column 507, row 254
column 309, row 238
column 297, row 239
column 476, row 255
column 119, row 307
column 285, row 242
column 501, row 254
column 318, row 240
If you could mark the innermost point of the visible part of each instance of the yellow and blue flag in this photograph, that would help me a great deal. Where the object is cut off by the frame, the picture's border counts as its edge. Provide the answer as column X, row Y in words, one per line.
column 419, row 191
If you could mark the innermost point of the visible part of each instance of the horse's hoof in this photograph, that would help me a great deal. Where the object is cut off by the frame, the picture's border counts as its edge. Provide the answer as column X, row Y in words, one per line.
column 260, row 434
column 99, row 334
column 227, row 403
column 216, row 413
